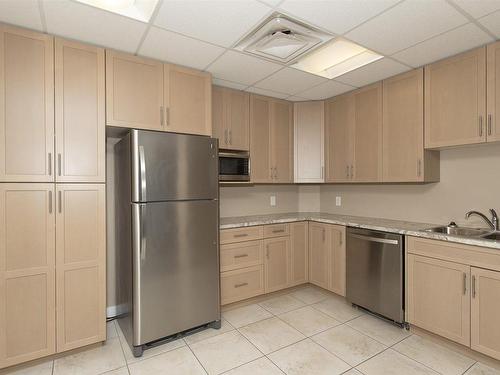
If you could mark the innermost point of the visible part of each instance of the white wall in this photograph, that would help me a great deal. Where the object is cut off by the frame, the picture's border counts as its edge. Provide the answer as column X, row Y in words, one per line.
column 470, row 179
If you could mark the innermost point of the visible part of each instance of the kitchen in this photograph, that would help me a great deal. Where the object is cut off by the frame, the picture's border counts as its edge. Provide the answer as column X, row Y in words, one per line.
column 327, row 235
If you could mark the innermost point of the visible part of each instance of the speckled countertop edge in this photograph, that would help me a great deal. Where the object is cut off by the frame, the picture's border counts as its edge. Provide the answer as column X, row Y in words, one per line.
column 387, row 225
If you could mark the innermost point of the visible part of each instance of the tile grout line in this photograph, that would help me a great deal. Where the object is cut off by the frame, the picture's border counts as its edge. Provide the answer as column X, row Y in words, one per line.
column 197, row 359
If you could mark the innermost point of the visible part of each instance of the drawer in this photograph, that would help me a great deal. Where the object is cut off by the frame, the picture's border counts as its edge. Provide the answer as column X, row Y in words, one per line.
column 276, row 230
column 241, row 254
column 241, row 284
column 240, row 234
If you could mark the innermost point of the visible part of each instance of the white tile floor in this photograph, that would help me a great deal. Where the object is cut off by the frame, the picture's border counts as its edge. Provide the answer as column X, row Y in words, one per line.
column 307, row 331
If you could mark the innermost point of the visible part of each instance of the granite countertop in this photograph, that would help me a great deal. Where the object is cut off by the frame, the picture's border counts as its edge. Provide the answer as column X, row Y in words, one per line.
column 394, row 226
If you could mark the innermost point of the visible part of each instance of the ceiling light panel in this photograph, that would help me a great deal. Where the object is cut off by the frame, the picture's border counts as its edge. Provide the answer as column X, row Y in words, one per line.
column 336, row 58
column 140, row 10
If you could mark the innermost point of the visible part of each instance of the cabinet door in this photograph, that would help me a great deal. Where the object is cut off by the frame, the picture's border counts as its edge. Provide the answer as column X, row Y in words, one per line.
column 309, row 141
column 134, row 91
column 259, row 139
column 337, row 276
column 188, row 100
column 219, row 116
column 238, row 118
column 276, row 263
column 318, row 254
column 439, row 297
column 81, row 265
column 493, row 94
column 299, row 253
column 282, row 141
column 339, row 113
column 27, row 272
column 80, row 112
column 367, row 159
column 403, row 127
column 26, row 106
column 485, row 307
column 455, row 100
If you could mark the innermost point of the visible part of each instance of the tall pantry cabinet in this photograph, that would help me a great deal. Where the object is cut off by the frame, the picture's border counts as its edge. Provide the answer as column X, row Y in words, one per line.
column 52, row 195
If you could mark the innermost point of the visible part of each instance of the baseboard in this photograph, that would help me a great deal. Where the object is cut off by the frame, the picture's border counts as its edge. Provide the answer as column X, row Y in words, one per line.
column 114, row 311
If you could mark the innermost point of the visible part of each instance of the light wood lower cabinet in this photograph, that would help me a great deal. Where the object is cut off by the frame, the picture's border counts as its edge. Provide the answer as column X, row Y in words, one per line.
column 26, row 106
column 240, row 255
column 27, row 272
column 485, row 312
column 318, row 254
column 81, row 265
column 299, row 253
column 276, row 263
column 337, row 262
column 241, row 284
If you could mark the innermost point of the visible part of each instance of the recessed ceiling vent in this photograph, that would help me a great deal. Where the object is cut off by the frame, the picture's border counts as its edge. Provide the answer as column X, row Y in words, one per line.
column 281, row 39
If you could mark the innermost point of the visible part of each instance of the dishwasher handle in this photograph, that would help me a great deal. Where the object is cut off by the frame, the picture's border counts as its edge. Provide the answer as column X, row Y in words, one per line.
column 374, row 239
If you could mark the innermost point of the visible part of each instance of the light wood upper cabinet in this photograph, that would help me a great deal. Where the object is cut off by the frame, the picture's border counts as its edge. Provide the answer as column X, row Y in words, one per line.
column 309, row 139
column 337, row 262
column 485, row 305
column 404, row 158
column 188, row 100
column 134, row 91
column 493, row 92
column 339, row 125
column 81, row 265
column 367, row 158
column 282, row 141
column 260, row 139
column 26, row 106
column 299, row 253
column 319, row 236
column 276, row 263
column 27, row 272
column 455, row 100
column 439, row 297
column 80, row 112
column 231, row 118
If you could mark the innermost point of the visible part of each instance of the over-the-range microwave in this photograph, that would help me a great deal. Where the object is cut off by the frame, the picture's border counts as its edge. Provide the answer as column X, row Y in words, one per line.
column 234, row 166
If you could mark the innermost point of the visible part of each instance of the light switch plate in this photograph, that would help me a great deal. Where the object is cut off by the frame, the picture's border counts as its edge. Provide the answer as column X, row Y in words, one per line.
column 338, row 201
column 272, row 200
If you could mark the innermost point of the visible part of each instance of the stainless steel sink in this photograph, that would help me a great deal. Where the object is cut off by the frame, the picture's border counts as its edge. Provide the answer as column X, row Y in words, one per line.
column 495, row 236
column 459, row 231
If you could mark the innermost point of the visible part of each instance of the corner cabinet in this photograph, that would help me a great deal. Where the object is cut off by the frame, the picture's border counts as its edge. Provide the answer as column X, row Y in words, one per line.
column 271, row 140
column 148, row 94
column 455, row 100
column 299, row 253
column 26, row 106
column 404, row 157
column 493, row 92
column 231, row 118
column 309, row 139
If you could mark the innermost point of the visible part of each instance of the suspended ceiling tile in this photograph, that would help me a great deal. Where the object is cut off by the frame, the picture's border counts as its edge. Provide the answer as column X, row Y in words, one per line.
column 290, row 81
column 24, row 13
column 373, row 72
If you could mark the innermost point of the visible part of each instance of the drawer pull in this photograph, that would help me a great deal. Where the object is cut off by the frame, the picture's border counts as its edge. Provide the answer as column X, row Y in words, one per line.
column 240, row 235
column 241, row 256
column 278, row 230
column 240, row 285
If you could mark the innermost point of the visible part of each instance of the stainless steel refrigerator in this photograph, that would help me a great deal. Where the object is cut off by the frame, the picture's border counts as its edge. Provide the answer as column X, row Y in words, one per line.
column 167, row 235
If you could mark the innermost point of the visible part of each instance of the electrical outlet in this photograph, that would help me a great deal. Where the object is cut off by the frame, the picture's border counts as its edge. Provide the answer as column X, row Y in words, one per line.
column 272, row 200
column 338, row 201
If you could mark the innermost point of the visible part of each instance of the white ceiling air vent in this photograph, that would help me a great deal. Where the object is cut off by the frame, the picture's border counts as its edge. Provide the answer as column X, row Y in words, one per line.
column 281, row 39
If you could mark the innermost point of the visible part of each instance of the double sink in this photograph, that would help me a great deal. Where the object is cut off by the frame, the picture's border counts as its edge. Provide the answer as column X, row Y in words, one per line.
column 453, row 230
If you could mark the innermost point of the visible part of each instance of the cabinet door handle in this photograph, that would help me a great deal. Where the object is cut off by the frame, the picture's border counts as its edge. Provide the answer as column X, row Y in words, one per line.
column 341, row 241
column 240, row 285
column 50, row 163
column 489, row 124
column 480, row 126
column 225, row 136
column 162, row 116
column 267, row 251
column 419, row 167
column 324, row 235
column 322, row 171
column 50, row 201
column 240, row 235
column 465, row 283
column 230, row 137
column 278, row 230
column 347, row 171
column 473, row 286
column 59, row 203
column 167, row 116
column 352, row 171
column 59, row 164
column 276, row 172
column 241, row 256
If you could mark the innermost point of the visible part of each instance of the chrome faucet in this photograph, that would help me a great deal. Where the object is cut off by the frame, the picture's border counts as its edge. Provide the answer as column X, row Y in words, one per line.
column 493, row 223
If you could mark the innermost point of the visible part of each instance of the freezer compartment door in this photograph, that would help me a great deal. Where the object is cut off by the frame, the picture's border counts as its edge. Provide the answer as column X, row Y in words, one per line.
column 175, row 267
column 169, row 166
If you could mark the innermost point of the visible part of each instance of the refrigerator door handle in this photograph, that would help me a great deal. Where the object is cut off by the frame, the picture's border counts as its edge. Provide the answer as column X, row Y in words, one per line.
column 142, row 218
column 142, row 173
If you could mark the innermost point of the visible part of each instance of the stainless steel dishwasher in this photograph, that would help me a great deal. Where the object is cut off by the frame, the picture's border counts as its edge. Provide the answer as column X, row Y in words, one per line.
column 375, row 272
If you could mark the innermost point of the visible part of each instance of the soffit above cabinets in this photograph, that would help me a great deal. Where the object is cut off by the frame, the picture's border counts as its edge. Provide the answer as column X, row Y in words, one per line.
column 203, row 34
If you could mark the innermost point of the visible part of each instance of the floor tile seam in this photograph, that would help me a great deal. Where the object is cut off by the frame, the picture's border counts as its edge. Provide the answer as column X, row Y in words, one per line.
column 274, row 363
column 336, row 318
column 197, row 359
column 471, row 366
column 413, row 359
column 373, row 338
column 251, row 343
